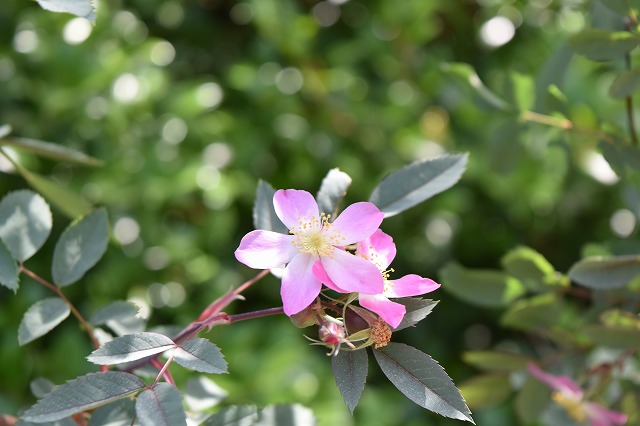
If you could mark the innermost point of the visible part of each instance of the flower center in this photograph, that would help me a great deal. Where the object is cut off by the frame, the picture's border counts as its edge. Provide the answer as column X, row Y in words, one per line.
column 316, row 235
column 573, row 407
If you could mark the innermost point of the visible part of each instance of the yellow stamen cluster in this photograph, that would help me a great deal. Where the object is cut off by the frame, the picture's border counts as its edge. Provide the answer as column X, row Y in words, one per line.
column 573, row 407
column 380, row 333
column 316, row 235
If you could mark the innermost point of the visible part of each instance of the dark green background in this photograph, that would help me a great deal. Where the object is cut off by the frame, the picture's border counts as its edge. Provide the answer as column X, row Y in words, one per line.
column 375, row 96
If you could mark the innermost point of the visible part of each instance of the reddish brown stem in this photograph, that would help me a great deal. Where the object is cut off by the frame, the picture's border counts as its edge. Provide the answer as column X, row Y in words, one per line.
column 83, row 323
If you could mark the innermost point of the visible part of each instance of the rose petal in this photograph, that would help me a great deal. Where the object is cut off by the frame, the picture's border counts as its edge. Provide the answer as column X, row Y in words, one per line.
column 389, row 311
column 321, row 275
column 265, row 249
column 601, row 416
column 292, row 204
column 410, row 285
column 356, row 222
column 299, row 286
column 379, row 248
column 562, row 384
column 353, row 273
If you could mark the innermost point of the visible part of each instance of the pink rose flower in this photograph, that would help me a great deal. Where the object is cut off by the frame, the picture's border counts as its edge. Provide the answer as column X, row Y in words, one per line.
column 570, row 396
column 313, row 239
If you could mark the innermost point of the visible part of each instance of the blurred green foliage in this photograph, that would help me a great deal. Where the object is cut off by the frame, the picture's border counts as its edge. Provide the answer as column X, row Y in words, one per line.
column 190, row 102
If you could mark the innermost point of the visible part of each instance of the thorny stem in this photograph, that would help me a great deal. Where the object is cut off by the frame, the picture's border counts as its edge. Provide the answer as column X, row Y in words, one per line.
column 562, row 123
column 163, row 371
column 87, row 327
column 211, row 316
column 255, row 314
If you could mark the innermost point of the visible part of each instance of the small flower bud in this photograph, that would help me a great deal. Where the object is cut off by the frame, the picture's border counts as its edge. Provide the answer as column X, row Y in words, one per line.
column 305, row 318
column 331, row 333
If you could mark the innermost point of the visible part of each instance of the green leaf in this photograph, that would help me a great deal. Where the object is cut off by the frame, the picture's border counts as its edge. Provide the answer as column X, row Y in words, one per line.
column 333, row 188
column 25, row 223
column 41, row 318
column 531, row 269
column 81, row 8
column 469, row 76
column 200, row 355
column 506, row 149
column 130, row 347
column 9, row 271
column 121, row 317
column 621, row 7
column 417, row 182
column 417, row 310
column 631, row 196
column 531, row 400
column 264, row 214
column 160, row 406
column 118, row 413
column 421, row 379
column 83, row 393
column 114, row 311
column 80, row 247
column 613, row 337
column 625, row 84
column 51, row 150
column 486, row 390
column 601, row 45
column 605, row 273
column 286, row 415
column 524, row 90
column 40, row 387
column 69, row 203
column 496, row 360
column 236, row 415
column 350, row 371
column 614, row 156
column 534, row 313
column 5, row 130
column 619, row 318
column 491, row 289
column 201, row 393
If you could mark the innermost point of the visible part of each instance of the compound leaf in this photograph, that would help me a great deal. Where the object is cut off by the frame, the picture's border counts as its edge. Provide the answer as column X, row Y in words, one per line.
column 83, row 393
column 421, row 379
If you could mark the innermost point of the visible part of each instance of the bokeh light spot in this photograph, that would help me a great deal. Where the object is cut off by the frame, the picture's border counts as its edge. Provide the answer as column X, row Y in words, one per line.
column 174, row 130
column 289, row 80
column 623, row 223
column 241, row 13
column 76, row 31
column 162, row 53
column 599, row 169
column 26, row 41
column 497, row 31
column 126, row 88
column 126, row 230
column 217, row 154
column 209, row 95
column 325, row 13
column 170, row 14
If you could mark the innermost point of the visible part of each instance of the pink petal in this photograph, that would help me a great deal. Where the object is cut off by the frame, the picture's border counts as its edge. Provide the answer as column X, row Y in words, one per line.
column 389, row 311
column 601, row 416
column 353, row 273
column 265, row 249
column 321, row 275
column 292, row 204
column 379, row 248
column 299, row 286
column 356, row 222
column 562, row 384
column 410, row 285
